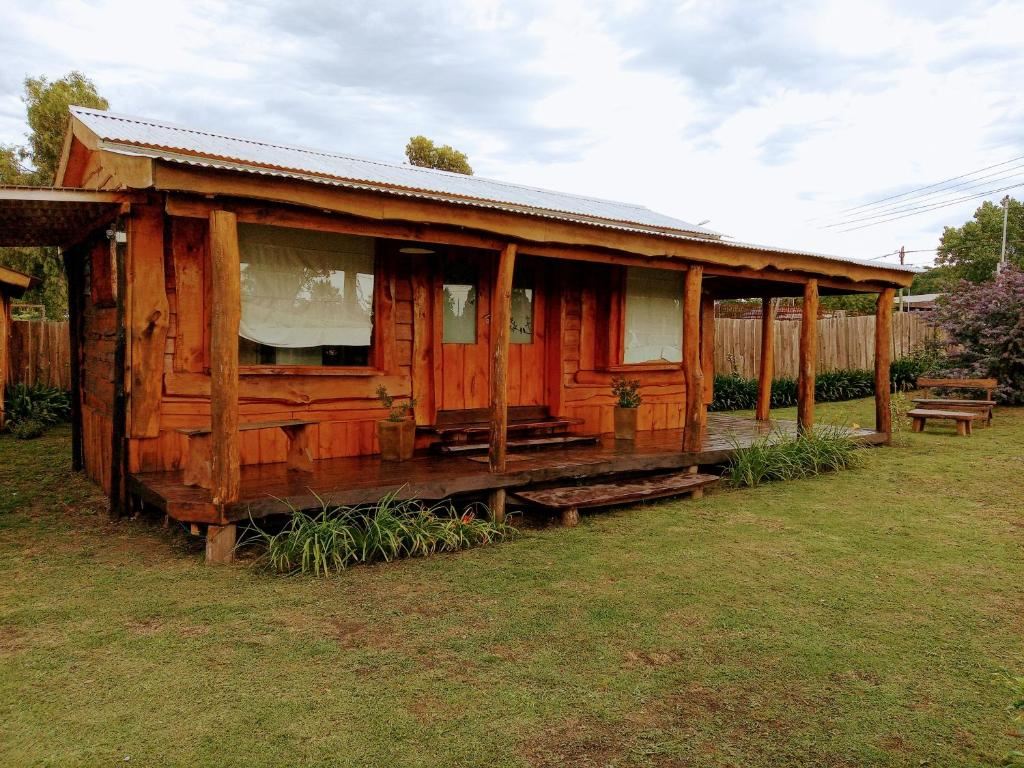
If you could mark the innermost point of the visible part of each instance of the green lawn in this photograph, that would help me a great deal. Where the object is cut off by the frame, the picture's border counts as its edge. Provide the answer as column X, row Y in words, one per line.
column 847, row 620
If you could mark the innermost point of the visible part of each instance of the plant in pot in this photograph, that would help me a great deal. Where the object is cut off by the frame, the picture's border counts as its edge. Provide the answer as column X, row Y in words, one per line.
column 397, row 433
column 627, row 391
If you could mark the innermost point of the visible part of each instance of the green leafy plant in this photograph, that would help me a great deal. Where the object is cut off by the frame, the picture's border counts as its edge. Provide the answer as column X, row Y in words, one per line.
column 778, row 456
column 399, row 412
column 927, row 359
column 627, row 391
column 332, row 538
column 36, row 403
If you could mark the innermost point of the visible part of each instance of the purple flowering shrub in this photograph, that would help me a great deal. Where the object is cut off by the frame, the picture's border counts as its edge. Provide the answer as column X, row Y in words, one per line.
column 986, row 322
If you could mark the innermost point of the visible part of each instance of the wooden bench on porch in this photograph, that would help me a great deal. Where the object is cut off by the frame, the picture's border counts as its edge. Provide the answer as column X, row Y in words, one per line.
column 468, row 430
column 569, row 500
column 984, row 407
column 198, row 465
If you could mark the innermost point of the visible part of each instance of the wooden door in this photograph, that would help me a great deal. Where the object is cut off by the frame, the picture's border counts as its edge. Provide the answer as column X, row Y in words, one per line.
column 527, row 372
column 463, row 330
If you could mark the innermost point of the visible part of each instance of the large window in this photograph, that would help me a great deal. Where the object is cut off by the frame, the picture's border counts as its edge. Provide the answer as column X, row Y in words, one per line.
column 654, row 316
column 307, row 297
column 521, row 331
column 459, row 303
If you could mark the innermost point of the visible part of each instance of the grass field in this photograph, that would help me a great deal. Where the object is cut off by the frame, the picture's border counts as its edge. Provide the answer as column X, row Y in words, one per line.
column 856, row 619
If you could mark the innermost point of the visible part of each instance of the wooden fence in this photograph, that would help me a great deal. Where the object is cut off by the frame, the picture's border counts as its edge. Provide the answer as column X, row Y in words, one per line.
column 843, row 342
column 40, row 353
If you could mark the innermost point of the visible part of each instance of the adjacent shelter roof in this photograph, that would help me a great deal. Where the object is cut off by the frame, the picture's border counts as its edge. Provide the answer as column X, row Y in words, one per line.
column 35, row 216
column 14, row 283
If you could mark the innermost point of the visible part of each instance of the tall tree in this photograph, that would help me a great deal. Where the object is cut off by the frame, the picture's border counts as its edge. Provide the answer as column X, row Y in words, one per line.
column 423, row 152
column 46, row 107
column 971, row 251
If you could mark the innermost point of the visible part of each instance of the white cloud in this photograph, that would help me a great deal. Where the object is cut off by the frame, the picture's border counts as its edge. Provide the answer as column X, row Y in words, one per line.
column 757, row 116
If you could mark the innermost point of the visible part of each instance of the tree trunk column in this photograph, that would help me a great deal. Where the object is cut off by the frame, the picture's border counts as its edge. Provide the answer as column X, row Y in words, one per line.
column 883, row 358
column 5, row 354
column 767, row 364
column 693, row 426
column 226, row 314
column 707, row 352
column 808, row 358
column 501, row 320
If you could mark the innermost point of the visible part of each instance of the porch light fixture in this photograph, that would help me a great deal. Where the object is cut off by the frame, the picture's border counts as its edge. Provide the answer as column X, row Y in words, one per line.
column 415, row 250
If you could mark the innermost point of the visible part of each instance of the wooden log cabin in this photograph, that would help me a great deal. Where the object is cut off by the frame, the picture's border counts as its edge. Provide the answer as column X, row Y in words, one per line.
column 235, row 306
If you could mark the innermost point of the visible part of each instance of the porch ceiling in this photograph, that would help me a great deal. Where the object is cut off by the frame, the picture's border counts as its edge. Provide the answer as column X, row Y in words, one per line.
column 728, row 287
column 47, row 217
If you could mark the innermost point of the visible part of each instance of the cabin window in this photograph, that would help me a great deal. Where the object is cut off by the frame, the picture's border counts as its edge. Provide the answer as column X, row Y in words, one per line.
column 307, row 297
column 653, row 328
column 460, row 303
column 522, row 309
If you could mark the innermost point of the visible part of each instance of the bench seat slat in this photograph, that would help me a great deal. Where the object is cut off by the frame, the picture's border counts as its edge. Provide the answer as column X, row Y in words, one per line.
column 928, row 413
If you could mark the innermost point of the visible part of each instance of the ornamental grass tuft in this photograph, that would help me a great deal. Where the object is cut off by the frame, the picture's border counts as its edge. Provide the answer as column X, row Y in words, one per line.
column 778, row 456
column 332, row 538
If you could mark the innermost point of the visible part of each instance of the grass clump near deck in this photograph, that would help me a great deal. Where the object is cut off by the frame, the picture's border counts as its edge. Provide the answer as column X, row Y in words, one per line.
column 775, row 456
column 331, row 539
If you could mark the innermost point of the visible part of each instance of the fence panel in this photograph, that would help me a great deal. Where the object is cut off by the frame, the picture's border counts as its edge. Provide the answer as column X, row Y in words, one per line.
column 843, row 342
column 40, row 353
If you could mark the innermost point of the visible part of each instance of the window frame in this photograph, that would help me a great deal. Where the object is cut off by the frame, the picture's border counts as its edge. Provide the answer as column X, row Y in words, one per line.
column 377, row 357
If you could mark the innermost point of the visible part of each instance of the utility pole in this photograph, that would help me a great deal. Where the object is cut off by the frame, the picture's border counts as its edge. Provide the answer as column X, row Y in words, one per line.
column 1002, row 253
column 903, row 256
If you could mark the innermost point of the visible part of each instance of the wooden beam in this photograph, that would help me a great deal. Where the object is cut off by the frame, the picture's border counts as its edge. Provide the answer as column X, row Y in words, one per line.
column 501, row 318
column 225, row 318
column 808, row 358
column 693, row 425
column 74, row 269
column 766, row 371
column 707, row 350
column 883, row 358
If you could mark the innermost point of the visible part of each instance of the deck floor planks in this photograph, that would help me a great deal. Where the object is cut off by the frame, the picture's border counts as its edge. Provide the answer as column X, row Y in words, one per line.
column 268, row 488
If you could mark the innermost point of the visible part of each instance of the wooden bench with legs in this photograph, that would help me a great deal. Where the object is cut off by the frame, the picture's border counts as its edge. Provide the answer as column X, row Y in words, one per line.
column 963, row 419
column 984, row 407
column 569, row 500
column 198, row 464
column 469, row 430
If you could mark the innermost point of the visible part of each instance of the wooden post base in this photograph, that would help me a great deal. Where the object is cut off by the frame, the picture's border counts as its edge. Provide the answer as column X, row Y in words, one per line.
column 963, row 428
column 570, row 517
column 496, row 504
column 220, row 544
column 697, row 493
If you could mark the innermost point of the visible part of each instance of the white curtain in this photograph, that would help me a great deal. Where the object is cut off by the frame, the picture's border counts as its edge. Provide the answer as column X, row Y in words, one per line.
column 654, row 316
column 305, row 289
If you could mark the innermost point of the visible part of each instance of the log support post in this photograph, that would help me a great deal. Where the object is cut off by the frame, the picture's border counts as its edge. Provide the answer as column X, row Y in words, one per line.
column 501, row 319
column 5, row 354
column 766, row 371
column 808, row 358
column 693, row 426
column 883, row 359
column 220, row 543
column 225, row 318
column 707, row 351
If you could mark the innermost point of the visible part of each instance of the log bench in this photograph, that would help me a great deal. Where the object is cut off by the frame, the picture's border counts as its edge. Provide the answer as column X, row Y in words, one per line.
column 198, row 464
column 569, row 500
column 984, row 406
column 963, row 419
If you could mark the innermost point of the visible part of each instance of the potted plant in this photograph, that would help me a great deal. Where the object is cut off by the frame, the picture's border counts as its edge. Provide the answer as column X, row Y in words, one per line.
column 397, row 433
column 628, row 393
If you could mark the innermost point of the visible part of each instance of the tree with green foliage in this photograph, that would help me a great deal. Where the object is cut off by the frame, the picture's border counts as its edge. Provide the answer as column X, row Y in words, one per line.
column 971, row 251
column 423, row 152
column 35, row 165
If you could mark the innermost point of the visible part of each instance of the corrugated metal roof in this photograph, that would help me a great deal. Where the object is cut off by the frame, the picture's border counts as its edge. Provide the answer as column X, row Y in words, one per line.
column 150, row 133
column 187, row 146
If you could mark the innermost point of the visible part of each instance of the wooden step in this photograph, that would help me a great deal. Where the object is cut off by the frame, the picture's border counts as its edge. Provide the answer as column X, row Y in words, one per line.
column 554, row 441
column 568, row 500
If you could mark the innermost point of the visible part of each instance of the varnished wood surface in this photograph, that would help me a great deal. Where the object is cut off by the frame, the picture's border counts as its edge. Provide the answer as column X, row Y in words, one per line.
column 596, row 495
column 269, row 488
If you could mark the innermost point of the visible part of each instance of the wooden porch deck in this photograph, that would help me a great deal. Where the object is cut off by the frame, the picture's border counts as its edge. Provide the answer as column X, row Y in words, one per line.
column 268, row 488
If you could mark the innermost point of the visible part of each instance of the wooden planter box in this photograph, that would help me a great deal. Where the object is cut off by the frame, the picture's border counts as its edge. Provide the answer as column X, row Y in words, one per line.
column 397, row 439
column 625, row 423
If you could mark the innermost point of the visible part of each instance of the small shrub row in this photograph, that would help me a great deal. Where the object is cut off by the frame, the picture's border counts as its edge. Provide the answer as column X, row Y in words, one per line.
column 31, row 409
column 776, row 456
column 333, row 538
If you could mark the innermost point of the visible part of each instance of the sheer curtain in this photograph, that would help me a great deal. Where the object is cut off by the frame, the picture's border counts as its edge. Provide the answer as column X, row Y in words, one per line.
column 654, row 316
column 305, row 289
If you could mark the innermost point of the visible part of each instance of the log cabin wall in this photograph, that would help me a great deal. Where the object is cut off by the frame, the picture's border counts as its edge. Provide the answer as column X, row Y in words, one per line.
column 99, row 334
column 345, row 405
column 591, row 302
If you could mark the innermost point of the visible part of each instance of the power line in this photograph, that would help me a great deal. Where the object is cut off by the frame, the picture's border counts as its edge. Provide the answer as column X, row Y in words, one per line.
column 926, row 208
column 930, row 186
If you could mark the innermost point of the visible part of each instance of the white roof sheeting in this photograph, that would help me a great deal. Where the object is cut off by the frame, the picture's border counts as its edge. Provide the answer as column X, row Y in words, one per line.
column 178, row 144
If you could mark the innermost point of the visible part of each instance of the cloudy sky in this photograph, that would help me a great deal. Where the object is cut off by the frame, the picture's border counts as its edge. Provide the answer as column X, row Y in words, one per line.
column 768, row 119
